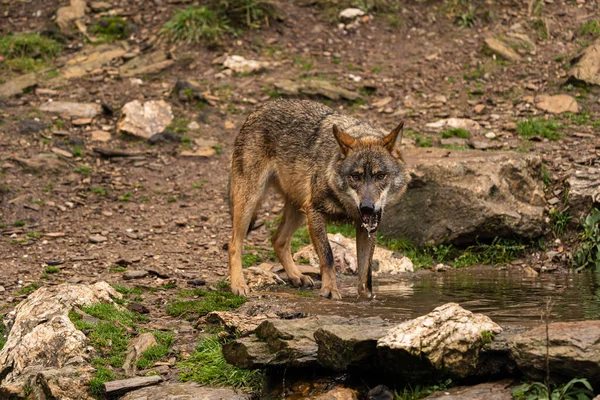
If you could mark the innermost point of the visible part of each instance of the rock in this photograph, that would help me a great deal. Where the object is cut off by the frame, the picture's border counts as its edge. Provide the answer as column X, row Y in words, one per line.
column 350, row 14
column 150, row 63
column 502, row 49
column 586, row 66
column 187, row 90
column 200, row 152
column 455, row 123
column 257, row 277
column 135, row 274
column 100, row 136
column 490, row 135
column 98, row 6
column 448, row 339
column 233, row 321
column 135, row 349
column 338, row 394
column 479, row 144
column 164, row 137
column 40, row 326
column 479, row 108
column 68, row 109
column 145, row 120
column 489, row 391
column 194, row 126
column 328, row 90
column 185, row 391
column 66, row 15
column 584, row 191
column 380, row 392
column 243, row 66
column 344, row 256
column 27, row 126
column 46, row 162
column 557, row 104
column 287, row 87
column 97, row 239
column 17, row 85
column 91, row 58
column 138, row 308
column 461, row 196
column 573, row 350
column 62, row 152
column 350, row 346
column 453, row 141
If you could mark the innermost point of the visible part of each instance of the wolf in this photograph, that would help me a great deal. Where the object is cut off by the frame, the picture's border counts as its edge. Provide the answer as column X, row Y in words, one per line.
column 328, row 167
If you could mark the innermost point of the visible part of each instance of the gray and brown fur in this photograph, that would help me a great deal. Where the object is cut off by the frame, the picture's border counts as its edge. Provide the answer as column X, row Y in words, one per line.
column 328, row 167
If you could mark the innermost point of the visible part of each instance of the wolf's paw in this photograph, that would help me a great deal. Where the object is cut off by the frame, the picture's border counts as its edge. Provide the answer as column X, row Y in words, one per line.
column 302, row 281
column 327, row 291
column 240, row 289
column 364, row 293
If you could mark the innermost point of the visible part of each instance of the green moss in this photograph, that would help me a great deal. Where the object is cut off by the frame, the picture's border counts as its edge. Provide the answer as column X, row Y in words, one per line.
column 30, row 288
column 456, row 132
column 250, row 259
column 207, row 301
column 590, row 28
column 111, row 28
column 52, row 270
column 207, row 366
column 126, row 290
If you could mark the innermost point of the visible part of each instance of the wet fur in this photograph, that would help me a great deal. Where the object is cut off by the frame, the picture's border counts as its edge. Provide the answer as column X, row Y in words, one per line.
column 290, row 145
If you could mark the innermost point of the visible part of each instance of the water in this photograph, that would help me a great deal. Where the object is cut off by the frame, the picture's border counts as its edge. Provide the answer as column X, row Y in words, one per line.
column 506, row 295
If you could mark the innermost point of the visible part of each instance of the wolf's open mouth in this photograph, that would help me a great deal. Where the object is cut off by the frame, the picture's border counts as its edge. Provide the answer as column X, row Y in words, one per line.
column 370, row 221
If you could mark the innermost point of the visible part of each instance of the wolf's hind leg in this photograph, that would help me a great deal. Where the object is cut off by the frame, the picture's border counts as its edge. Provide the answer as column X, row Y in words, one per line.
column 291, row 220
column 246, row 193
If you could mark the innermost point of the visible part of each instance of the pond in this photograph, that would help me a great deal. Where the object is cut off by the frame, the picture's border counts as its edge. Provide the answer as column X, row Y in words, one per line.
column 506, row 295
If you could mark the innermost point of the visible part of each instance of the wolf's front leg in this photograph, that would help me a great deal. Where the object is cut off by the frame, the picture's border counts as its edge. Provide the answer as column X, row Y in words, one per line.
column 317, row 229
column 365, row 245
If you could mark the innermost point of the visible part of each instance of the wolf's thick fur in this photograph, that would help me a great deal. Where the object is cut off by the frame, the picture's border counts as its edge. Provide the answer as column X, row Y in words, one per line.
column 327, row 166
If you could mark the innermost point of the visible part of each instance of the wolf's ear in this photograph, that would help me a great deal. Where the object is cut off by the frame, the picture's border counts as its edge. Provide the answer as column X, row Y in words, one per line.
column 392, row 140
column 345, row 141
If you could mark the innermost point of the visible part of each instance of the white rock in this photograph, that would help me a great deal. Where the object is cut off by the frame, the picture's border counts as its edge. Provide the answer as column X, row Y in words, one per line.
column 490, row 135
column 241, row 65
column 350, row 14
column 450, row 123
column 68, row 109
column 145, row 120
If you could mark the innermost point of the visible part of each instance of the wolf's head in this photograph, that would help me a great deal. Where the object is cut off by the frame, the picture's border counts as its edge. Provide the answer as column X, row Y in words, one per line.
column 370, row 173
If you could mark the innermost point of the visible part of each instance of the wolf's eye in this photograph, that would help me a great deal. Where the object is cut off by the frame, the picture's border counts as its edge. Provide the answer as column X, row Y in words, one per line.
column 380, row 176
column 355, row 177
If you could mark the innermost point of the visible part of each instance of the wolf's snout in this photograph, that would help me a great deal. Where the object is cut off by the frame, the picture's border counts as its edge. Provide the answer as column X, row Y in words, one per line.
column 367, row 207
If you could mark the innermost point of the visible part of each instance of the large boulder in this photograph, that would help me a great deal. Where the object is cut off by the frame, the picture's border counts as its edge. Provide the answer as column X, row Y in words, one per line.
column 489, row 391
column 448, row 340
column 584, row 191
column 44, row 353
column 185, row 391
column 461, row 196
column 572, row 348
column 145, row 120
column 586, row 66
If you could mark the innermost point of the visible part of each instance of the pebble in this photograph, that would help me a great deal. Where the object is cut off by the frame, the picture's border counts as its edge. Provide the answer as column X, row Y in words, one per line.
column 135, row 274
column 490, row 135
column 97, row 238
column 196, row 282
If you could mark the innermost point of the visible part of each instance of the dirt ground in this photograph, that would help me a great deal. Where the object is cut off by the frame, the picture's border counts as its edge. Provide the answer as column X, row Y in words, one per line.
column 165, row 213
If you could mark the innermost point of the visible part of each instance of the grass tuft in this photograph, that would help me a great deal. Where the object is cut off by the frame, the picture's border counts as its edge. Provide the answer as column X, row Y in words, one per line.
column 110, row 29
column 158, row 352
column 207, row 301
column 196, row 24
column 539, row 127
column 208, row 367
column 588, row 252
column 456, row 132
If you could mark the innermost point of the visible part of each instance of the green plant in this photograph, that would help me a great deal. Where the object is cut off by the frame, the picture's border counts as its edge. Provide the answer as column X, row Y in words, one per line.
column 99, row 191
column 25, row 52
column 588, row 252
column 207, row 366
column 423, row 142
column 111, row 28
column 250, row 259
column 83, row 170
column 456, row 132
column 159, row 351
column 208, row 301
column 117, row 268
column 559, row 221
column 498, row 252
column 590, row 28
column 575, row 389
column 539, row 127
column 19, row 223
column 52, row 270
column 30, row 288
column 2, row 333
column 487, row 337
column 420, row 392
column 245, row 13
column 196, row 24
column 126, row 196
column 467, row 18
column 77, row 151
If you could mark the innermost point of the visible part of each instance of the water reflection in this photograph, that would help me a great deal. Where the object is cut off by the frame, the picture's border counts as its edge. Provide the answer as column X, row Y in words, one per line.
column 506, row 295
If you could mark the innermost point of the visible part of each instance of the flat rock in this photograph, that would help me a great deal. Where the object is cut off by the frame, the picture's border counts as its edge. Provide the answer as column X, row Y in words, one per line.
column 150, row 63
column 185, row 391
column 459, row 196
column 145, row 120
column 68, row 109
column 455, row 123
column 454, row 141
column 97, row 239
column 350, row 14
column 557, row 104
column 135, row 274
column 31, row 126
column 17, row 85
column 186, row 90
column 40, row 326
column 501, row 390
column 137, row 346
column 345, row 261
column 502, row 49
column 338, row 393
column 584, row 191
column 573, row 350
column 328, row 90
column 241, row 65
column 92, row 58
column 100, row 136
column 448, row 339
column 586, row 66
column 234, row 322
